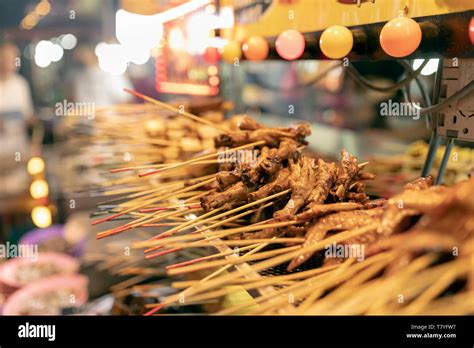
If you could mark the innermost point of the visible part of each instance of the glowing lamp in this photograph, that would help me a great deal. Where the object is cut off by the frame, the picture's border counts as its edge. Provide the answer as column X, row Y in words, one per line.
column 336, row 42
column 211, row 55
column 41, row 216
column 39, row 189
column 255, row 48
column 400, row 37
column 43, row 8
column 290, row 44
column 231, row 52
column 35, row 165
column 471, row 30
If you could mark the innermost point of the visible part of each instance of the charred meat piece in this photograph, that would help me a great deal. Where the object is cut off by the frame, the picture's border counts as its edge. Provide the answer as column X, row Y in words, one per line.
column 327, row 173
column 277, row 184
column 335, row 222
column 302, row 179
column 323, row 209
column 420, row 184
column 252, row 173
column 411, row 203
column 226, row 178
column 248, row 123
column 249, row 174
column 365, row 176
column 272, row 162
column 380, row 202
column 234, row 195
column 258, row 216
column 271, row 136
column 263, row 234
column 357, row 197
column 347, row 171
column 227, row 167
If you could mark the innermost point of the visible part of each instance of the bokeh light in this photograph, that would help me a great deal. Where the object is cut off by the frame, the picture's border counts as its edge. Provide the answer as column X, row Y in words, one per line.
column 290, row 44
column 400, row 37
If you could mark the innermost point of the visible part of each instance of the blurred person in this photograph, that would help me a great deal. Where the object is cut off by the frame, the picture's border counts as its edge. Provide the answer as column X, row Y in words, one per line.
column 16, row 105
column 15, row 95
column 93, row 85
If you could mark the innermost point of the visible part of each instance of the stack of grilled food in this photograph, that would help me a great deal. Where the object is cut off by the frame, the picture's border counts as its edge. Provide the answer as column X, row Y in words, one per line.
column 275, row 194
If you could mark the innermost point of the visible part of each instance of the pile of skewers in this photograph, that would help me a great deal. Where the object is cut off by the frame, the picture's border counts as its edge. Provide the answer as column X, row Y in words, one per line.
column 264, row 204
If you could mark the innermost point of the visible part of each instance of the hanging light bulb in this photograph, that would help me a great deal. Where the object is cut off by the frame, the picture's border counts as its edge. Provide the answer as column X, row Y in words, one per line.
column 290, row 44
column 255, row 48
column 231, row 51
column 41, row 216
column 336, row 42
column 35, row 165
column 400, row 37
column 471, row 30
column 211, row 55
column 39, row 189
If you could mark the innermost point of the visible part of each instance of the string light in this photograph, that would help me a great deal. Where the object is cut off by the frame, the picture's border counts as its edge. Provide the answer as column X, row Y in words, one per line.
column 211, row 55
column 35, row 166
column 471, row 30
column 290, row 44
column 255, row 48
column 336, row 42
column 41, row 216
column 231, row 51
column 42, row 9
column 400, row 37
column 39, row 189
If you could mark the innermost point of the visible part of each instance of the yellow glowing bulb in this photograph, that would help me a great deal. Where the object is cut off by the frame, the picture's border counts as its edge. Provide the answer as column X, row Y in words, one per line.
column 336, row 42
column 232, row 52
column 35, row 165
column 30, row 20
column 41, row 216
column 43, row 8
column 39, row 189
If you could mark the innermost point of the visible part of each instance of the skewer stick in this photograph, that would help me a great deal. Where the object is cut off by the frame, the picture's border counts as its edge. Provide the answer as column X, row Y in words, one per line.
column 210, row 276
column 318, row 278
column 154, row 166
column 287, row 256
column 153, row 200
column 240, row 242
column 179, row 228
column 208, row 257
column 217, row 263
column 220, row 223
column 178, row 111
column 213, row 235
column 195, row 222
column 201, row 158
column 217, row 224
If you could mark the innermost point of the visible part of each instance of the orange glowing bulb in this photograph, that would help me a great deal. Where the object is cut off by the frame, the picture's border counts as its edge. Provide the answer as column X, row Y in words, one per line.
column 400, row 37
column 255, row 48
column 231, row 52
column 211, row 55
column 290, row 44
column 471, row 30
column 336, row 42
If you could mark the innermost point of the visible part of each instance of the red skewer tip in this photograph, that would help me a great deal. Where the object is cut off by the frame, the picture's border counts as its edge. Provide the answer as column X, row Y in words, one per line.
column 154, row 310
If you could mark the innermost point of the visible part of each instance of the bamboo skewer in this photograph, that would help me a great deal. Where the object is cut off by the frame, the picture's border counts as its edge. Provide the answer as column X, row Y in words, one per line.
column 198, row 220
column 201, row 158
column 212, row 235
column 176, row 110
column 274, row 261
